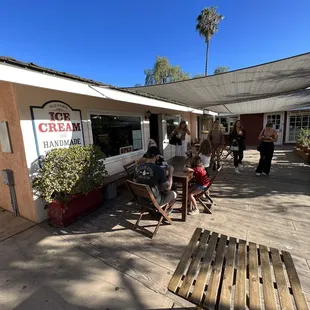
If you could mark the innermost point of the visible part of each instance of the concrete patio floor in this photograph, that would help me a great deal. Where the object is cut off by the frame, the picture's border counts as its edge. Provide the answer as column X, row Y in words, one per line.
column 99, row 262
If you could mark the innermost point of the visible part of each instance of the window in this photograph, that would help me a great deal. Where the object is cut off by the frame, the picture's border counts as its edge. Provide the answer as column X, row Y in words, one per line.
column 297, row 121
column 117, row 134
column 275, row 119
column 227, row 123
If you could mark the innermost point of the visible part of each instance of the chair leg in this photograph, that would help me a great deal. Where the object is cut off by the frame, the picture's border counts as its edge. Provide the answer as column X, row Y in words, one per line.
column 210, row 199
column 207, row 209
column 139, row 219
column 157, row 227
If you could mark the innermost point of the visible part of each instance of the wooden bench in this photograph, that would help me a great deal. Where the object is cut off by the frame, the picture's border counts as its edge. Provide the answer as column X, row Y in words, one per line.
column 220, row 272
column 111, row 183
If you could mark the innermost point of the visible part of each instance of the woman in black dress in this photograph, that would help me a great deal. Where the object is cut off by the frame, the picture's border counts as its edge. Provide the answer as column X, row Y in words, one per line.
column 267, row 137
column 237, row 137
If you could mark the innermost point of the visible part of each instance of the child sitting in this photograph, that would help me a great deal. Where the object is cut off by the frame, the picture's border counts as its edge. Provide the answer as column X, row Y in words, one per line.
column 205, row 152
column 202, row 181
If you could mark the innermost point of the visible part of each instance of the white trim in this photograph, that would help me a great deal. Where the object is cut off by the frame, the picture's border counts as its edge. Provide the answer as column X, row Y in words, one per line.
column 293, row 113
column 28, row 77
column 287, row 134
column 207, row 112
column 127, row 97
column 115, row 158
column 282, row 122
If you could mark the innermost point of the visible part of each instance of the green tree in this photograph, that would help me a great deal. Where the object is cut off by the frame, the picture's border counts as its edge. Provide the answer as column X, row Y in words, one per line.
column 221, row 70
column 163, row 73
column 207, row 26
column 199, row 75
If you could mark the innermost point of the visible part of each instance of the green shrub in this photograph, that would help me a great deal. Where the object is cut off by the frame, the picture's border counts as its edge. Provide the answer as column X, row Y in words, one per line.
column 70, row 171
column 303, row 137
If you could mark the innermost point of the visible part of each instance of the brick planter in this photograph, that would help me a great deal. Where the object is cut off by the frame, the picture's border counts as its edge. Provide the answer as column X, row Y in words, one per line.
column 305, row 155
column 62, row 215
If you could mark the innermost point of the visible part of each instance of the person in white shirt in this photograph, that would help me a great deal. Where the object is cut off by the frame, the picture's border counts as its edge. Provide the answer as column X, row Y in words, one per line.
column 205, row 152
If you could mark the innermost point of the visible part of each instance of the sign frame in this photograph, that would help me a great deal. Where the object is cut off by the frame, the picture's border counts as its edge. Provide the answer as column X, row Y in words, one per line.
column 33, row 119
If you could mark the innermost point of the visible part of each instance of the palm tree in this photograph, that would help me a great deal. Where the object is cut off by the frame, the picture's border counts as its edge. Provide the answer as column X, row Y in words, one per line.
column 207, row 26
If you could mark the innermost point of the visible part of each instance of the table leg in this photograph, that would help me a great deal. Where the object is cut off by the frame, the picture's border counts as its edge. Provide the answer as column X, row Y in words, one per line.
column 184, row 199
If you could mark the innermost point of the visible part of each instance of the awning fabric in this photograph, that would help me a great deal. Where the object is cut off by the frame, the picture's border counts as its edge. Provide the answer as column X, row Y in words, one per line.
column 275, row 86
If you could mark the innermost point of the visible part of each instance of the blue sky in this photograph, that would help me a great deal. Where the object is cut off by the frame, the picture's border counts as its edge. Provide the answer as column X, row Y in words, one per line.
column 114, row 41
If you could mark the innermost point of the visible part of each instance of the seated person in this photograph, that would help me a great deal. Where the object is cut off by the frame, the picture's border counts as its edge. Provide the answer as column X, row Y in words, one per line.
column 159, row 159
column 202, row 181
column 205, row 152
column 152, row 143
column 151, row 174
column 142, row 159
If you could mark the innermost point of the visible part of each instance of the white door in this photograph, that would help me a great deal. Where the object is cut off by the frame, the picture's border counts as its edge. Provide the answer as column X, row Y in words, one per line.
column 277, row 119
column 169, row 122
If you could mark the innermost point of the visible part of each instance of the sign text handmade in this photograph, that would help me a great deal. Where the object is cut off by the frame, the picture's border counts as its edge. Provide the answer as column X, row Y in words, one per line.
column 56, row 125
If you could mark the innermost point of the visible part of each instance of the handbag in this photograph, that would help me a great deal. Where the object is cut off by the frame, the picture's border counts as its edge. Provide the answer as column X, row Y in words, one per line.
column 259, row 147
column 175, row 140
column 234, row 147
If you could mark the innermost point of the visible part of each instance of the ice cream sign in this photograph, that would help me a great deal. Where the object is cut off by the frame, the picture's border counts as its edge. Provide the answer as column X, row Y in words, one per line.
column 56, row 125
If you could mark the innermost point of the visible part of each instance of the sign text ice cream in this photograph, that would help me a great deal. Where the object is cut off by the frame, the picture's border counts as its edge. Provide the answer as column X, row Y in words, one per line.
column 56, row 125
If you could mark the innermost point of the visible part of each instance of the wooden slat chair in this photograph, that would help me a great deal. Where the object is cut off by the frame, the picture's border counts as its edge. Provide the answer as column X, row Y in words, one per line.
column 148, row 203
column 130, row 169
column 206, row 193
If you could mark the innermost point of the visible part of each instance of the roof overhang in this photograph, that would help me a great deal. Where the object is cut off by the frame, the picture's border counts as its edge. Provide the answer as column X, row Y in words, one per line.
column 13, row 74
column 275, row 86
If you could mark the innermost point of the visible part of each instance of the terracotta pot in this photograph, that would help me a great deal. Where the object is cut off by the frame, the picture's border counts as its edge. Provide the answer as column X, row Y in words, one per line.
column 62, row 214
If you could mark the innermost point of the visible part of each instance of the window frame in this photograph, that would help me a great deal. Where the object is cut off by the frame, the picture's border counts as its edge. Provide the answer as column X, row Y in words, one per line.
column 229, row 119
column 117, row 113
column 295, row 114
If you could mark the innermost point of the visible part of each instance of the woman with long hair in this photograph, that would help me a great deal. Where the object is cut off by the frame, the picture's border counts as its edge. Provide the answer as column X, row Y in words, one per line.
column 205, row 152
column 237, row 139
column 267, row 137
column 180, row 134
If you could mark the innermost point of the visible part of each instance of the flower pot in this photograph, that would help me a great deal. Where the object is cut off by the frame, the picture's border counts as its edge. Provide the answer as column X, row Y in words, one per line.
column 62, row 214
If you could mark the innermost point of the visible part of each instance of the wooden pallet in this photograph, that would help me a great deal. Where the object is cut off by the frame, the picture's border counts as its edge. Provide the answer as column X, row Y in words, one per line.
column 221, row 272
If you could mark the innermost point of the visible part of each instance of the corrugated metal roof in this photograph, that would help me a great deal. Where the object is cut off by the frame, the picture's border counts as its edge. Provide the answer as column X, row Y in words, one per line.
column 37, row 68
column 33, row 67
column 268, row 87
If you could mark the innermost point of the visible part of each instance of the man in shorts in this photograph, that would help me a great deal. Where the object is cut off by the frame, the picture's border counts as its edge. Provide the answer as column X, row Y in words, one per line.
column 153, row 175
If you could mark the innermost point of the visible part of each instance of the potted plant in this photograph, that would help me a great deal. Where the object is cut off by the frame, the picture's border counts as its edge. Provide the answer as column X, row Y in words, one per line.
column 70, row 180
column 303, row 139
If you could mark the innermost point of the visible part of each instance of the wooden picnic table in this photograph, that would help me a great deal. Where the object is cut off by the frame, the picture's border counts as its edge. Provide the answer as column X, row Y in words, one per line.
column 183, row 178
column 220, row 272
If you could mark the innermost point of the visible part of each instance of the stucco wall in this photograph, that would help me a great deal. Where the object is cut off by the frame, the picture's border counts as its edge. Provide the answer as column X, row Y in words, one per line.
column 15, row 161
column 32, row 96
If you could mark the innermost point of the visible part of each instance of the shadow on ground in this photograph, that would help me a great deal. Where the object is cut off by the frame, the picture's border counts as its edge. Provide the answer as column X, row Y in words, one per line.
column 99, row 262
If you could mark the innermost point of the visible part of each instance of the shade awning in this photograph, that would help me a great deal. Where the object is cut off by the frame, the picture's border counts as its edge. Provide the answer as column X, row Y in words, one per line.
column 274, row 86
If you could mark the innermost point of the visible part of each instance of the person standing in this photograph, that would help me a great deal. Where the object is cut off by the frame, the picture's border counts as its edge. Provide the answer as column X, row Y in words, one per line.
column 216, row 138
column 180, row 133
column 237, row 138
column 267, row 137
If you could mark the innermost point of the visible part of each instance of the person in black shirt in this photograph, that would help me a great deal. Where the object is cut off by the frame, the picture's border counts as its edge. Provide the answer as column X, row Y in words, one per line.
column 151, row 174
column 237, row 138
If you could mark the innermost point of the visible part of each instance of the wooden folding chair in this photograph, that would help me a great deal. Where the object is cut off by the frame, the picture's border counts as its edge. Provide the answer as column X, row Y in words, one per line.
column 148, row 203
column 206, row 193
column 130, row 169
